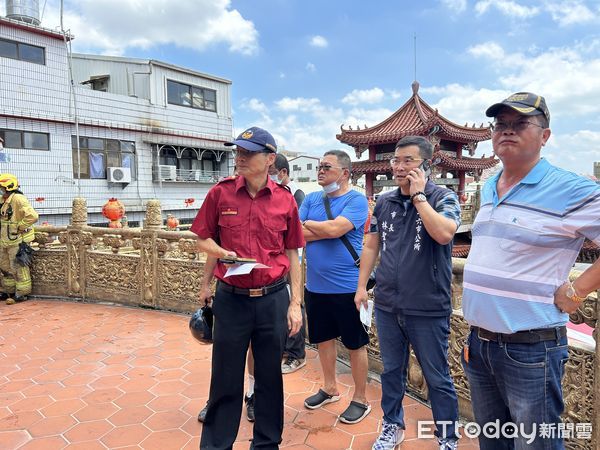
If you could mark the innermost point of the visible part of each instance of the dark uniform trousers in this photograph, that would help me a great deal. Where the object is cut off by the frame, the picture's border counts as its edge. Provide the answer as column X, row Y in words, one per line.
column 240, row 320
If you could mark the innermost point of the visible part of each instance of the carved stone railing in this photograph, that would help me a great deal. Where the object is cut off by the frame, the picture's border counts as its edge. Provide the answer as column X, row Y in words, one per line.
column 147, row 267
column 151, row 267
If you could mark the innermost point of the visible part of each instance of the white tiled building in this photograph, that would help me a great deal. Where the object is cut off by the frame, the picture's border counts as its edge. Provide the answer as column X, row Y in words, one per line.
column 147, row 129
column 304, row 168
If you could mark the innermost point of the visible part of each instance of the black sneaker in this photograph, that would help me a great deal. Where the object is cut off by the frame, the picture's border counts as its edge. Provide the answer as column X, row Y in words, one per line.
column 20, row 298
column 249, row 407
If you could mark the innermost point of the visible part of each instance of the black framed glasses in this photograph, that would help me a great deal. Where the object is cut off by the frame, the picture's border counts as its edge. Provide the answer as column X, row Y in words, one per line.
column 404, row 161
column 517, row 126
column 326, row 167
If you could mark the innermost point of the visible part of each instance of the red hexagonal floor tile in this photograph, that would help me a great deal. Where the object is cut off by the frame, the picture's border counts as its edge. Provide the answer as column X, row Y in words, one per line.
column 125, row 435
column 135, row 379
column 88, row 431
column 130, row 415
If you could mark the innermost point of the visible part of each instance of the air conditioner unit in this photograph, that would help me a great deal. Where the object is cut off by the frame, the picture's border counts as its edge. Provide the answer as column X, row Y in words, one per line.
column 167, row 172
column 119, row 174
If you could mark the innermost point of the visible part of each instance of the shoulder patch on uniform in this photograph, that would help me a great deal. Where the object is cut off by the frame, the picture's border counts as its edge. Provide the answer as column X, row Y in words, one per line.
column 229, row 178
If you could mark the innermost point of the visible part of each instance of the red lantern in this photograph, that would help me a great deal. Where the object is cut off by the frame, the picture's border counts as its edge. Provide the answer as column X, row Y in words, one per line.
column 113, row 210
column 172, row 222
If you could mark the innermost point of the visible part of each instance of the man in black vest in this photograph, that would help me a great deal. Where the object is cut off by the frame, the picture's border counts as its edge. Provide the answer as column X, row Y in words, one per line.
column 413, row 227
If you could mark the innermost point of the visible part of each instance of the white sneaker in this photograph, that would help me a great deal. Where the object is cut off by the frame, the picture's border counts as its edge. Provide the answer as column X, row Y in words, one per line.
column 448, row 444
column 391, row 436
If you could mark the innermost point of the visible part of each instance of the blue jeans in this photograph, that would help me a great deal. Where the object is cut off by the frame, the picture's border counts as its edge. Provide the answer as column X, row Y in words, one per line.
column 518, row 383
column 429, row 339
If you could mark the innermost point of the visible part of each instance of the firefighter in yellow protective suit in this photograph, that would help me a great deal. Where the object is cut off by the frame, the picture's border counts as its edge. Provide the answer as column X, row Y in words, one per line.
column 16, row 226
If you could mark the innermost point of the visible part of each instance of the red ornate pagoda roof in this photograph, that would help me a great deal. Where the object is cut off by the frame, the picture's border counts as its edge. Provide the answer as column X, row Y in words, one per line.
column 439, row 158
column 465, row 163
column 379, row 167
column 415, row 117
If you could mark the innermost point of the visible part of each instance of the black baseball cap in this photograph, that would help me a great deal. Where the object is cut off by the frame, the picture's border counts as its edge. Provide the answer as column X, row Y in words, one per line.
column 525, row 103
column 255, row 139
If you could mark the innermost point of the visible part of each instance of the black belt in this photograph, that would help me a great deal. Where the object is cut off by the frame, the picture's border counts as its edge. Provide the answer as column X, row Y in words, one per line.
column 522, row 337
column 258, row 292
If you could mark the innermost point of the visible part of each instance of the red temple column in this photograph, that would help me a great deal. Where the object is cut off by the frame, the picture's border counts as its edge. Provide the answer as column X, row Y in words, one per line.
column 369, row 177
column 461, row 174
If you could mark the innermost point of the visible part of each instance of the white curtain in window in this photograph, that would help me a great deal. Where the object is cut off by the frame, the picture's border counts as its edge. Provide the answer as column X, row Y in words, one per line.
column 127, row 160
column 97, row 169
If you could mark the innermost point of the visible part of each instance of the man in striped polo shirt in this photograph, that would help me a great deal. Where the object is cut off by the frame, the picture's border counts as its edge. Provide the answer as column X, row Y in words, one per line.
column 517, row 297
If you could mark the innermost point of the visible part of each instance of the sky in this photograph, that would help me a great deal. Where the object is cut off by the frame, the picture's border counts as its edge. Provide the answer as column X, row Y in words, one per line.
column 301, row 69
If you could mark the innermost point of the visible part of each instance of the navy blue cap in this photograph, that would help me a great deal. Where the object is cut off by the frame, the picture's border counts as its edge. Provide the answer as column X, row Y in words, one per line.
column 255, row 139
column 525, row 103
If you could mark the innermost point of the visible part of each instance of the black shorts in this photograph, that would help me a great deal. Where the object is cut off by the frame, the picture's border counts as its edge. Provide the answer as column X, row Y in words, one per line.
column 330, row 316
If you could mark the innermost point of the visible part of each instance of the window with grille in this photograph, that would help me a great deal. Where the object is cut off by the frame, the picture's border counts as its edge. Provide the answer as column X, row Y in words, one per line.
column 97, row 154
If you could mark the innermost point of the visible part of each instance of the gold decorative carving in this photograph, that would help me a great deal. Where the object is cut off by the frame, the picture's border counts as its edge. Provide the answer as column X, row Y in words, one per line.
column 114, row 273
column 189, row 247
column 74, row 257
column 48, row 267
column 459, row 329
column 42, row 238
column 147, row 256
column 162, row 246
column 79, row 215
column 416, row 380
column 578, row 393
column 153, row 219
column 87, row 238
column 177, row 279
column 136, row 243
column 586, row 313
column 114, row 241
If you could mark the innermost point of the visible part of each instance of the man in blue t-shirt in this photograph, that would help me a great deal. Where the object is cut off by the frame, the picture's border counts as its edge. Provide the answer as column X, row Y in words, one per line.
column 331, row 280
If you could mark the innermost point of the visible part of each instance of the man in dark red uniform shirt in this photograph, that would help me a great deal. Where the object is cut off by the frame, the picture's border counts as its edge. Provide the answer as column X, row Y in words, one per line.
column 250, row 216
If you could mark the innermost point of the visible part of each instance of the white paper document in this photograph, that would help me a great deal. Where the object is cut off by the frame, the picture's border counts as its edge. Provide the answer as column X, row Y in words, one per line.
column 244, row 268
column 366, row 313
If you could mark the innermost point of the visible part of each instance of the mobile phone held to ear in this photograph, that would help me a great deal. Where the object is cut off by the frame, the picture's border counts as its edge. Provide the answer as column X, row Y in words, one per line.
column 426, row 168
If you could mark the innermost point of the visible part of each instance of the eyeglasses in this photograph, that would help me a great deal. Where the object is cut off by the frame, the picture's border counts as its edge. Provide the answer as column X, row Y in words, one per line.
column 327, row 168
column 238, row 153
column 404, row 161
column 517, row 127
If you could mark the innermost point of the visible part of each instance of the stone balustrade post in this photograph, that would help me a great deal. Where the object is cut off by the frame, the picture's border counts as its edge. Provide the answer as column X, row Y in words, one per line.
column 79, row 213
column 149, row 254
column 76, row 240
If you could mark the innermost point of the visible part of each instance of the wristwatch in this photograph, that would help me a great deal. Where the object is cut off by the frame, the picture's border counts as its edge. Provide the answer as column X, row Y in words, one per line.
column 418, row 197
column 572, row 294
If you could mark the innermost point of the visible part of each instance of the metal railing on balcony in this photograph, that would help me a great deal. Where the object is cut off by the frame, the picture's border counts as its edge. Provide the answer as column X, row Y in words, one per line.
column 165, row 173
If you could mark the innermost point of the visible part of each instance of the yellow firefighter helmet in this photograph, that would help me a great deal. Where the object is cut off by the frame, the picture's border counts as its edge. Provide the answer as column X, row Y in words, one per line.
column 9, row 182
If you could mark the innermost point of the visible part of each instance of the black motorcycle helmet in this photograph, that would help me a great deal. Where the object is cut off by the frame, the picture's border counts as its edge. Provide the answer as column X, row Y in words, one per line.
column 201, row 324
